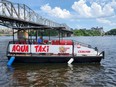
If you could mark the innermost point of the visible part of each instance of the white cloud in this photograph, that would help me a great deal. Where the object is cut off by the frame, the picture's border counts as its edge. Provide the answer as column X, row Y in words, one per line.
column 108, row 10
column 95, row 9
column 105, row 21
column 81, row 8
column 57, row 11
column 113, row 4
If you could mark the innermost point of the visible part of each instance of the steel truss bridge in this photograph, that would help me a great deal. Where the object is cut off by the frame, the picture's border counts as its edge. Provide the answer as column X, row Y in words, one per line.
column 20, row 15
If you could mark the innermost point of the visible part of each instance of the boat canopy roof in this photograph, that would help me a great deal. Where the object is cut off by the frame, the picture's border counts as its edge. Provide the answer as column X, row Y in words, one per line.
column 43, row 28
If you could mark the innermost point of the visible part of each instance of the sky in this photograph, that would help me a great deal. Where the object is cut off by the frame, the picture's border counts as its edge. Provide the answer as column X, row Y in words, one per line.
column 76, row 13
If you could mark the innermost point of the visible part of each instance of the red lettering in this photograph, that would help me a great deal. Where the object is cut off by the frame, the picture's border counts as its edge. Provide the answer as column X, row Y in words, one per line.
column 44, row 49
column 83, row 51
column 36, row 47
column 22, row 49
column 26, row 48
column 47, row 48
column 18, row 48
column 14, row 48
column 41, row 48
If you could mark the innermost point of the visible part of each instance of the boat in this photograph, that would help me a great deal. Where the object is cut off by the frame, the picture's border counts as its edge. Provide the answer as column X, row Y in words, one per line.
column 53, row 51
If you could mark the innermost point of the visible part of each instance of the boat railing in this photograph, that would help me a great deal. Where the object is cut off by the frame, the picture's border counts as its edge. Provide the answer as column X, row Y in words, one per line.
column 52, row 42
column 56, row 42
column 83, row 44
column 29, row 41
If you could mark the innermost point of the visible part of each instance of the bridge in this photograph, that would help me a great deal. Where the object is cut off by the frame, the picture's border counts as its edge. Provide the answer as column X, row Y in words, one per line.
column 20, row 15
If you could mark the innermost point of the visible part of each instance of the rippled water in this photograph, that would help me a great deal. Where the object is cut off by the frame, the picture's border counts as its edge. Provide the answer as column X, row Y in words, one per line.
column 61, row 75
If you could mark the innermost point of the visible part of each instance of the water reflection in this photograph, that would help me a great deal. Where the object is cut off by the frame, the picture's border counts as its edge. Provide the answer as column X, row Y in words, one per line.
column 61, row 75
column 52, row 75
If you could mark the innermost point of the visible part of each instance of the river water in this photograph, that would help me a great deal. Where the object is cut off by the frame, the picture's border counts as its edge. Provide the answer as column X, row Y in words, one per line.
column 61, row 75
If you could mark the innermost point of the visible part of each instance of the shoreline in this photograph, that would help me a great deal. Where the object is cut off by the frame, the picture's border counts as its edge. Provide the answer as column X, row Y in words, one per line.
column 5, row 34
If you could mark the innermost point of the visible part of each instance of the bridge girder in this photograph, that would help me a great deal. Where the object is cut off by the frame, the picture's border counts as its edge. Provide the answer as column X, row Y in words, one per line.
column 19, row 15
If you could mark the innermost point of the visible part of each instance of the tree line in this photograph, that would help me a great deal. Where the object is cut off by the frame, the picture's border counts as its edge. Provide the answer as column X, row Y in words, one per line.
column 84, row 32
column 44, row 33
column 111, row 32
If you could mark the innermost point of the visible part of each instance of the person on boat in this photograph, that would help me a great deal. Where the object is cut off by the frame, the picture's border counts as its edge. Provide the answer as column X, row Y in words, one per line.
column 22, row 35
column 40, row 40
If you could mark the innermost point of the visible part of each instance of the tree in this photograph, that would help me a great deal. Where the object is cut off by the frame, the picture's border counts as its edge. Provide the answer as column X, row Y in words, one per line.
column 111, row 32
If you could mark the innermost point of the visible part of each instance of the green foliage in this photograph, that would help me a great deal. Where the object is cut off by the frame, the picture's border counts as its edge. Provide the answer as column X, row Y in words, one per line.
column 84, row 32
column 45, row 33
column 111, row 32
column 32, row 33
column 52, row 32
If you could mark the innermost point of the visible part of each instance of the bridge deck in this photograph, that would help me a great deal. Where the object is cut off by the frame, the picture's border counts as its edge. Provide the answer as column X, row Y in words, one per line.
column 20, row 15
